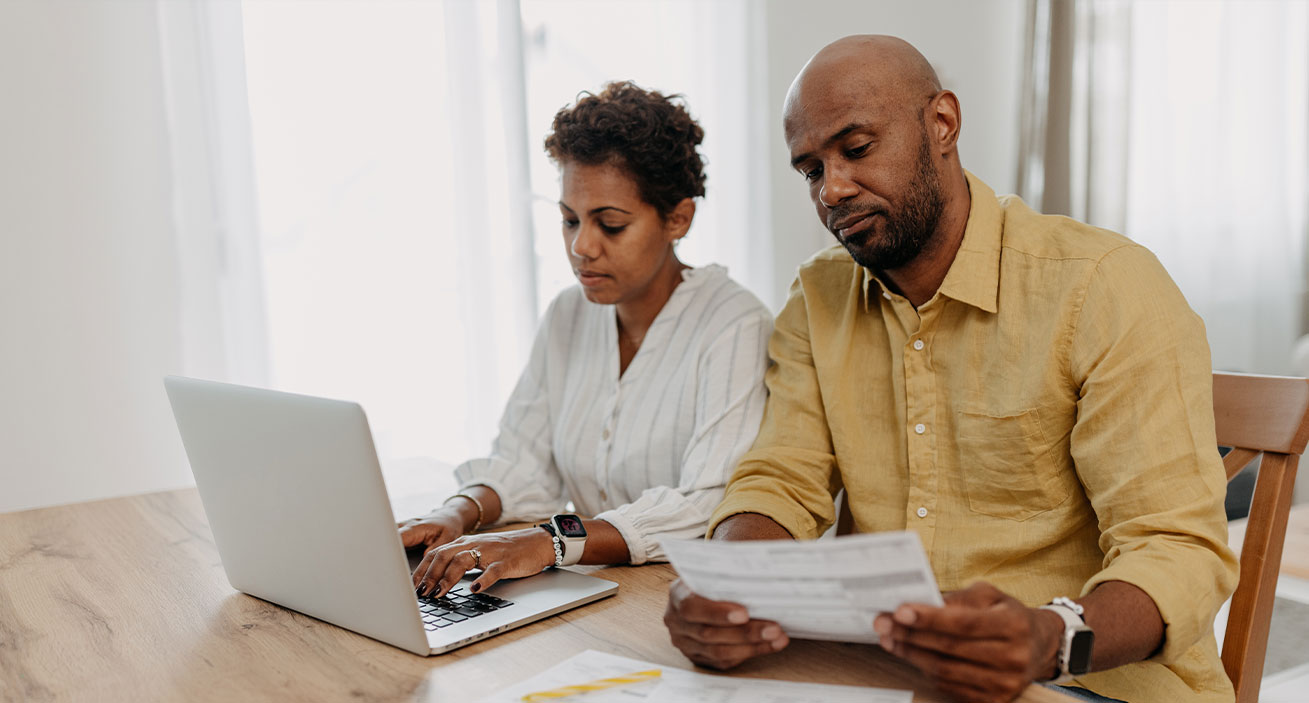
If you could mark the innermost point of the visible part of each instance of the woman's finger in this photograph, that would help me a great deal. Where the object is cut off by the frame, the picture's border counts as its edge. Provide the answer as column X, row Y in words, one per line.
column 490, row 574
column 455, row 568
column 440, row 559
column 420, row 571
column 412, row 535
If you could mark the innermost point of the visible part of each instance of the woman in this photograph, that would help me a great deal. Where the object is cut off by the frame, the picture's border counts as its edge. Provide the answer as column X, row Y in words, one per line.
column 645, row 383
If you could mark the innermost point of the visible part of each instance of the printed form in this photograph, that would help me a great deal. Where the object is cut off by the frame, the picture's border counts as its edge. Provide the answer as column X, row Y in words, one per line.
column 827, row 589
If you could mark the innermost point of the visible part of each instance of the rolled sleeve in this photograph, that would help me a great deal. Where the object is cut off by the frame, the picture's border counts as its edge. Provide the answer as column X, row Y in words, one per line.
column 660, row 513
column 1144, row 445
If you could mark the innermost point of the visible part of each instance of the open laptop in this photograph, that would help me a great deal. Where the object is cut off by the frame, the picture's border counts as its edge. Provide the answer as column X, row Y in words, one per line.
column 295, row 499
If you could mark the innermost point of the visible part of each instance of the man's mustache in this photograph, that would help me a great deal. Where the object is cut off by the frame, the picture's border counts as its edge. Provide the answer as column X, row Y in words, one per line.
column 843, row 215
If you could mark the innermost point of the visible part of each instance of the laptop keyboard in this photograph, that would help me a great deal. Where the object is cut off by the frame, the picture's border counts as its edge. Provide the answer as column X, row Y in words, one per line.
column 457, row 606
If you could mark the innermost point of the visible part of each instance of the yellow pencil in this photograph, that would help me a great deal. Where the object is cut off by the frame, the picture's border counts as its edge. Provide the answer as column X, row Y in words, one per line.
column 597, row 685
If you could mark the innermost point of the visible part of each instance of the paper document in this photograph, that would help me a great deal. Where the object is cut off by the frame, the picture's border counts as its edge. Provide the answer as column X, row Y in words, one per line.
column 678, row 686
column 828, row 589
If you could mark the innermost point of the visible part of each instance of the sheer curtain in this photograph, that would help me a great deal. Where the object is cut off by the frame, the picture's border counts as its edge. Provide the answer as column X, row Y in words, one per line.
column 372, row 204
column 1184, row 126
column 220, row 270
column 352, row 191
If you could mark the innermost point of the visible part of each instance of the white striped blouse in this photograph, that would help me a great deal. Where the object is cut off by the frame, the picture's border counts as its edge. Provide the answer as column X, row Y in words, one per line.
column 649, row 452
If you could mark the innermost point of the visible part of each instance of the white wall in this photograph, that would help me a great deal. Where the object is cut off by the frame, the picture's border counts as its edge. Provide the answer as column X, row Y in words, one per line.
column 977, row 50
column 88, row 289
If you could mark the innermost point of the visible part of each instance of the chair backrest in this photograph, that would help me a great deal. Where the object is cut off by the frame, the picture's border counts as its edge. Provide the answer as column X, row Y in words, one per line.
column 1256, row 415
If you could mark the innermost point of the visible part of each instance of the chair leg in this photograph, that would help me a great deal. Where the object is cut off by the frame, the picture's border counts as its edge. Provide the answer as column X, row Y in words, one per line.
column 1246, row 642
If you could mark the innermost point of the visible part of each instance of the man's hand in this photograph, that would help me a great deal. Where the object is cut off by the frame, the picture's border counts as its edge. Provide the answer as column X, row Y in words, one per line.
column 982, row 646
column 717, row 634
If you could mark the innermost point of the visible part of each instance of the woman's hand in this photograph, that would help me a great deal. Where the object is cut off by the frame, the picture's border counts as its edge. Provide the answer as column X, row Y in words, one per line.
column 511, row 554
column 433, row 530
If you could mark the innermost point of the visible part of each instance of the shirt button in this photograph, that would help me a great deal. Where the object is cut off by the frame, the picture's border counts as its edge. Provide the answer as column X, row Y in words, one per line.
column 921, row 512
column 604, row 495
column 605, row 434
column 918, row 345
column 920, row 428
column 886, row 295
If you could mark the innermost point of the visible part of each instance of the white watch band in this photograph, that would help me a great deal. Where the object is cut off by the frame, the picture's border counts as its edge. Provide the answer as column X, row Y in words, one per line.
column 573, row 548
column 568, row 550
column 559, row 549
column 1071, row 613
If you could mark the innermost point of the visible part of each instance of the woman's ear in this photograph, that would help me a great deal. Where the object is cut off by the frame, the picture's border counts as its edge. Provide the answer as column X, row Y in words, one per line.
column 678, row 222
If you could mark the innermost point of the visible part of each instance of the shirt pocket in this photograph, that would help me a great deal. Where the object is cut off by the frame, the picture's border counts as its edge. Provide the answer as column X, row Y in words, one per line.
column 1005, row 463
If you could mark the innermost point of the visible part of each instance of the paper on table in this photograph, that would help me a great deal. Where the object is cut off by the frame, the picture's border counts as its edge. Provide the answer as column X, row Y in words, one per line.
column 698, row 688
column 680, row 686
column 582, row 668
column 827, row 589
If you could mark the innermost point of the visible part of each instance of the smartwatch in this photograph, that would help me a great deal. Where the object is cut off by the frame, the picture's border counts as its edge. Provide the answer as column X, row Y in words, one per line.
column 1075, row 647
column 569, row 537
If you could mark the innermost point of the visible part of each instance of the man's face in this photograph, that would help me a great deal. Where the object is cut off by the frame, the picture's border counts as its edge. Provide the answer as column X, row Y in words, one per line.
column 869, row 161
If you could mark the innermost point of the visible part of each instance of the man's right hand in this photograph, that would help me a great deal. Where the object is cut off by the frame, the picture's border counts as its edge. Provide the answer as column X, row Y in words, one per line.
column 433, row 530
column 717, row 634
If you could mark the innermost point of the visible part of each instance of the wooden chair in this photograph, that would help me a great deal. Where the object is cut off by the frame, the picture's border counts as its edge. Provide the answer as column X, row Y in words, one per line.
column 1256, row 415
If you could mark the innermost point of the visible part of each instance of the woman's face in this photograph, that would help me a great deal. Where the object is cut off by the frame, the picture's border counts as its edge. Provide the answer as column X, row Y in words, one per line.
column 617, row 243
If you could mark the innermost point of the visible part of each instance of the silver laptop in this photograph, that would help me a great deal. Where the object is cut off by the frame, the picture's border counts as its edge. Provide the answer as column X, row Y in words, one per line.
column 295, row 499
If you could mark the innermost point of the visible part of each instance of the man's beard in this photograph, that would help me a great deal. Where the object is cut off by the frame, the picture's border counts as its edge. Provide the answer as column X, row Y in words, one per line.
column 909, row 229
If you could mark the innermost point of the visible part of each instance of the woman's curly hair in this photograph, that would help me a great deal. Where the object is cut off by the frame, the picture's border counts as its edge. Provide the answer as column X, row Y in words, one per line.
column 643, row 131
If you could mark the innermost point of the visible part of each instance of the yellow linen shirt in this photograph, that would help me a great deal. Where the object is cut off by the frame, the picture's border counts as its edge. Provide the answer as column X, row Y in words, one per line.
column 1044, row 423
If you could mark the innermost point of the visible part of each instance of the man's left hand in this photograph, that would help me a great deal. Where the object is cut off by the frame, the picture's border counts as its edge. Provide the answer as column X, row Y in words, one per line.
column 982, row 646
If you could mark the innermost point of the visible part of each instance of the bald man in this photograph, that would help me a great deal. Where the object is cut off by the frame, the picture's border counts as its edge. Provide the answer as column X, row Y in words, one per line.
column 1029, row 394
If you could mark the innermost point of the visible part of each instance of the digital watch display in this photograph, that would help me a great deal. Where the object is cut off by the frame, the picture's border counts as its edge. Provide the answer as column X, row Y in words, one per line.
column 570, row 536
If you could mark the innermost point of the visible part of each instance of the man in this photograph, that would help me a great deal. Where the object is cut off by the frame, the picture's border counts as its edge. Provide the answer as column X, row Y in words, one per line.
column 1031, row 395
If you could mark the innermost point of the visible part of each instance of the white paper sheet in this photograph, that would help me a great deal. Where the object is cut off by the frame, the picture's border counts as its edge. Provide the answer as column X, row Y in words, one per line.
column 694, row 688
column 827, row 589
column 680, row 686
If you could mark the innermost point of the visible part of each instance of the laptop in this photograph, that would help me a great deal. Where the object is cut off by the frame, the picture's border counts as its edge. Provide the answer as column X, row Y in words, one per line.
column 300, row 516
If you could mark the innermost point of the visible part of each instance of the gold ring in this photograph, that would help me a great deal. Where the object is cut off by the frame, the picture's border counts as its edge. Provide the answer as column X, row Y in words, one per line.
column 477, row 557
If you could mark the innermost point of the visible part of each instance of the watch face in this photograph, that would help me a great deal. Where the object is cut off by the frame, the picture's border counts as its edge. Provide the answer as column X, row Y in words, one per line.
column 570, row 526
column 1079, row 652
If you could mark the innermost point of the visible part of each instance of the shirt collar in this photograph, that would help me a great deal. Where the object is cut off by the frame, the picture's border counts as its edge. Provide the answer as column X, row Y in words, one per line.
column 974, row 276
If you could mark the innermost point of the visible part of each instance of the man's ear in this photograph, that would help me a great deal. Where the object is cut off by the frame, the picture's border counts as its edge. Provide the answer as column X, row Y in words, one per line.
column 945, row 119
column 678, row 222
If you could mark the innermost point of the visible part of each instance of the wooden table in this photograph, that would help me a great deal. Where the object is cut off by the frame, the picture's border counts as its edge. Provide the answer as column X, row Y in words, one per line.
column 125, row 600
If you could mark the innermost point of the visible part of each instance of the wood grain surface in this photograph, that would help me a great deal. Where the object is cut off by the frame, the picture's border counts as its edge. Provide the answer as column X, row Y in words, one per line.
column 126, row 600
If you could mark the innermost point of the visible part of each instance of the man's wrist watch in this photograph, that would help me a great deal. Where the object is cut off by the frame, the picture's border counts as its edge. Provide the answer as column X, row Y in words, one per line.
column 1075, row 645
column 569, row 536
